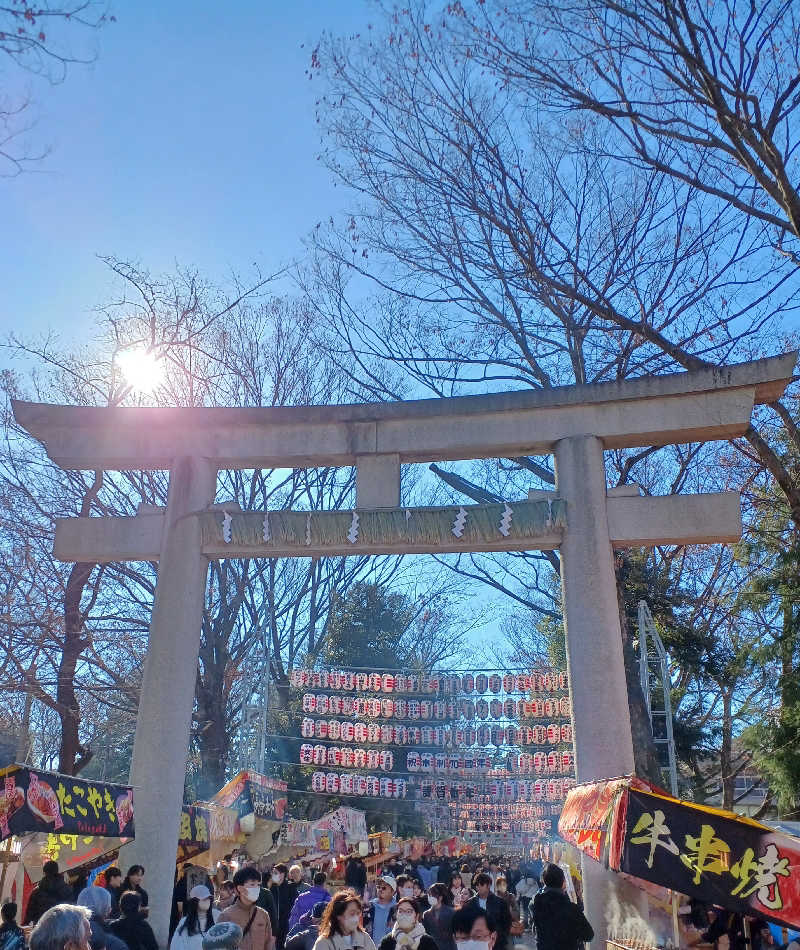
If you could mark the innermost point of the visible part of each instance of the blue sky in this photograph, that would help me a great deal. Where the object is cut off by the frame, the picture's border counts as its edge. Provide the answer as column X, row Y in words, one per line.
column 191, row 139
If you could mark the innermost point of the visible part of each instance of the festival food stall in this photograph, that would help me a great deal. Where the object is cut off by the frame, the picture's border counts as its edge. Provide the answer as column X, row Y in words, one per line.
column 45, row 816
column 667, row 845
column 260, row 803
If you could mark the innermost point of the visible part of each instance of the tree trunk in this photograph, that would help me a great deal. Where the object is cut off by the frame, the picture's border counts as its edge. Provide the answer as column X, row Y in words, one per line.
column 645, row 755
column 726, row 753
column 72, row 756
column 213, row 739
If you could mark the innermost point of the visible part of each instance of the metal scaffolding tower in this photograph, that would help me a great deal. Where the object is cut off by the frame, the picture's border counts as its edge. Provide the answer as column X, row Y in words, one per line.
column 252, row 740
column 654, row 675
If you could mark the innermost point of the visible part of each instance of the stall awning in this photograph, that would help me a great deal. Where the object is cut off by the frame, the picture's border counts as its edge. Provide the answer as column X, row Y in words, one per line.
column 61, row 818
column 714, row 855
column 36, row 801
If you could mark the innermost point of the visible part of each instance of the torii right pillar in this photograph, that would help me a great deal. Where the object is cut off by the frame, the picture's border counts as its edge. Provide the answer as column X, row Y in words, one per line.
column 601, row 717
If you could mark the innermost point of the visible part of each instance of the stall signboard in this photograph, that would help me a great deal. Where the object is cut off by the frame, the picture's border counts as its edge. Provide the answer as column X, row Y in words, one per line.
column 589, row 812
column 709, row 854
column 32, row 801
column 250, row 793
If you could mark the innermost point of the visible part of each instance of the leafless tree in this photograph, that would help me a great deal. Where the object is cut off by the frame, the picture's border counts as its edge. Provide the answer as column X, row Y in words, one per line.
column 37, row 39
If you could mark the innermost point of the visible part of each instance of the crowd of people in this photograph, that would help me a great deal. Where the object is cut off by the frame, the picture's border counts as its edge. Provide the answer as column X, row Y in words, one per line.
column 479, row 905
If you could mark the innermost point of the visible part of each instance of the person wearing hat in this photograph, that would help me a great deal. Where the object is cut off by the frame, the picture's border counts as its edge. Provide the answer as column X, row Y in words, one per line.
column 380, row 916
column 222, row 936
column 200, row 917
column 306, row 938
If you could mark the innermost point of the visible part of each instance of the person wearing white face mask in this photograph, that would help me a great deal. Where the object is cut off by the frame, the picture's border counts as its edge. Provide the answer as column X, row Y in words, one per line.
column 254, row 920
column 408, row 933
column 284, row 893
column 473, row 928
column 341, row 927
column 200, row 918
column 438, row 920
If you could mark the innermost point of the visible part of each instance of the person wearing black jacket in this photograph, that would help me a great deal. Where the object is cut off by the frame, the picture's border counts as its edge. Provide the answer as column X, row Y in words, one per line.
column 284, row 893
column 495, row 907
column 131, row 927
column 355, row 875
column 51, row 890
column 559, row 924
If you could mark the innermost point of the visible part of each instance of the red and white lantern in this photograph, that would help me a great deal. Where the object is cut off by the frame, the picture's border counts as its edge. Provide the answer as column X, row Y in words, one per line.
column 362, row 682
column 401, row 708
column 334, row 729
column 320, row 755
column 373, row 785
column 495, row 683
column 387, row 735
column 359, row 785
column 373, row 708
column 387, row 683
column 540, row 763
column 563, row 680
column 412, row 762
column 373, row 759
column 439, row 735
column 359, row 732
column 387, row 708
column 539, row 735
column 386, row 760
column 346, row 731
column 565, row 707
column 413, row 709
column 373, row 732
column 318, row 781
column 510, row 708
column 346, row 784
column 554, row 733
column 321, row 729
column 425, row 709
column 335, row 705
column 467, row 708
column 525, row 763
column 496, row 708
column 508, row 683
column 414, row 735
column 334, row 756
column 567, row 761
column 307, row 728
column 306, row 754
column 440, row 709
column 426, row 762
column 427, row 735
column 347, row 758
column 309, row 702
column 375, row 682
column 522, row 683
column 412, row 683
column 553, row 761
column 481, row 683
column 566, row 732
column 471, row 736
column 468, row 682
column 348, row 682
column 498, row 735
column 323, row 704
column 359, row 758
column 401, row 735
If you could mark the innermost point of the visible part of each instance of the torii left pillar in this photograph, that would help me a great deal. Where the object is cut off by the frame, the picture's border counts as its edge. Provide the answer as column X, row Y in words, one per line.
column 163, row 725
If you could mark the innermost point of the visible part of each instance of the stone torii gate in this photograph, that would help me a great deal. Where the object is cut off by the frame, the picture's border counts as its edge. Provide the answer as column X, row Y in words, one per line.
column 581, row 518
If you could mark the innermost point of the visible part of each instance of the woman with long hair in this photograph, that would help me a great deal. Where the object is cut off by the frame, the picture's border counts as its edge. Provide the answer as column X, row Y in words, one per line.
column 200, row 917
column 408, row 932
column 341, row 927
column 458, row 892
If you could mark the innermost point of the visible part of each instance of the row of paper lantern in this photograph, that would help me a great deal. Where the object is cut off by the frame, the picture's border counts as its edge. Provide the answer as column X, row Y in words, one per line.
column 542, row 790
column 554, row 762
column 551, row 734
column 542, row 826
column 491, row 792
column 366, row 785
column 542, row 682
column 346, row 757
column 387, row 708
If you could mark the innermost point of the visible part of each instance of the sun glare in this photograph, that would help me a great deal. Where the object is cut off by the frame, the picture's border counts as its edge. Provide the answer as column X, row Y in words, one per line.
column 141, row 368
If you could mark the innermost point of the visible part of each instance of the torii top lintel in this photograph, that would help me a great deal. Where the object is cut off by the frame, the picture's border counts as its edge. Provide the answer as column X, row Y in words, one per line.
column 701, row 405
